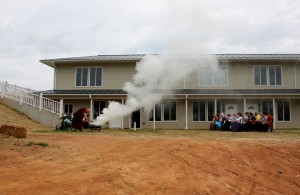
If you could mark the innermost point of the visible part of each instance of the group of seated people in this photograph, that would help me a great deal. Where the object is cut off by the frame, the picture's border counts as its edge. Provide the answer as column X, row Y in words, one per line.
column 240, row 122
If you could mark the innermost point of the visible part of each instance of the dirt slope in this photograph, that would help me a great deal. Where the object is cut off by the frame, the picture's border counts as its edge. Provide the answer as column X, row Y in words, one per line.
column 98, row 163
column 8, row 116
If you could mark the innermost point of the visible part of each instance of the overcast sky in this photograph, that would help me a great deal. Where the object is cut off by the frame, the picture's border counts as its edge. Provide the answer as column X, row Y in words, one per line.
column 32, row 30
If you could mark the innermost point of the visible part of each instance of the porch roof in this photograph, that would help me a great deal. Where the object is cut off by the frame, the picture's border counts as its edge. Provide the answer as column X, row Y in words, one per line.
column 179, row 92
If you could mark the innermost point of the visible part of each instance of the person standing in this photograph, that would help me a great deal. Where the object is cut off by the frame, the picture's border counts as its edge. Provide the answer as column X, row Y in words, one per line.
column 78, row 118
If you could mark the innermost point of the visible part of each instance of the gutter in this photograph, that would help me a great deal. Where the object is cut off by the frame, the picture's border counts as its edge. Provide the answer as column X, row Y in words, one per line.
column 267, row 94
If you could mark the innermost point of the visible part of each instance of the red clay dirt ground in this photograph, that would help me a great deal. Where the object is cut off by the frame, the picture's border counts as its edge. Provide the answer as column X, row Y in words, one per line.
column 137, row 163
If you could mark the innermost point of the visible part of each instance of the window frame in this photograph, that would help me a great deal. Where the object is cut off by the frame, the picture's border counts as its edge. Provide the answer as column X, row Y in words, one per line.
column 81, row 76
column 165, row 104
column 150, row 114
column 199, row 111
column 68, row 105
column 101, row 76
column 268, row 77
column 211, row 74
column 283, row 114
column 88, row 76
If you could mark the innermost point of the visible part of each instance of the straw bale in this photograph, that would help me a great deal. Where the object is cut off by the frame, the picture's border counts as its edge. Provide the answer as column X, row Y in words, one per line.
column 16, row 131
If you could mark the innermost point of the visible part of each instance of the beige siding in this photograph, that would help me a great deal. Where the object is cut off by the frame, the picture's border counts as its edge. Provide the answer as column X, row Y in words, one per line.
column 65, row 76
column 114, row 75
column 240, row 76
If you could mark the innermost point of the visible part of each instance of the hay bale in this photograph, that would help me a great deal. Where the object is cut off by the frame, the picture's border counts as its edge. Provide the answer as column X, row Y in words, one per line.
column 4, row 129
column 16, row 131
column 20, row 132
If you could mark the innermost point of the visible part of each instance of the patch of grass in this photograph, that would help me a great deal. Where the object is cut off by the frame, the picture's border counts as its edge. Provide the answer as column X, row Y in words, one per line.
column 43, row 144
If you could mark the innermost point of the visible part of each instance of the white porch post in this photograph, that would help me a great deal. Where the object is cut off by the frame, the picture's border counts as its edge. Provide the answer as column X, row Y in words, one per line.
column 41, row 102
column 215, row 107
column 186, row 112
column 274, row 114
column 91, row 109
column 154, row 115
column 122, row 119
column 245, row 107
column 2, row 90
column 61, row 107
column 21, row 98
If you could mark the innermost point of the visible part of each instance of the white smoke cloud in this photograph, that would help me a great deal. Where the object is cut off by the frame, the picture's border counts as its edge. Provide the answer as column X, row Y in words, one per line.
column 155, row 73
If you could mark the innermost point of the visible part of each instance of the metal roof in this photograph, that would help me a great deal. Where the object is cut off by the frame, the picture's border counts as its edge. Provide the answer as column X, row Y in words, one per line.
column 259, row 56
column 131, row 57
column 138, row 57
column 181, row 92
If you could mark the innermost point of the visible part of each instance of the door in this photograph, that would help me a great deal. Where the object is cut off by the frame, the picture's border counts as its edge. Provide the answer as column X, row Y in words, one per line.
column 98, row 107
column 252, row 108
column 231, row 109
column 136, row 118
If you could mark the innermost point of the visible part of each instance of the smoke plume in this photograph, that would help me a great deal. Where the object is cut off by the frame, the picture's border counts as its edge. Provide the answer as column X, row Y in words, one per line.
column 154, row 73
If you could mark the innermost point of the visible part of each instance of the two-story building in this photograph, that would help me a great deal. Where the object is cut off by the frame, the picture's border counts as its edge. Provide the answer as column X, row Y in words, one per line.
column 240, row 83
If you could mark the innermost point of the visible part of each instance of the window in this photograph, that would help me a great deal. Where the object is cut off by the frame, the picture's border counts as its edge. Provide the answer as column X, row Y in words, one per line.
column 260, row 75
column 199, row 111
column 169, row 110
column 202, row 108
column 275, row 75
column 211, row 109
column 91, row 76
column 267, row 75
column 95, row 76
column 98, row 107
column 267, row 106
column 68, row 108
column 81, row 76
column 283, row 110
column 213, row 77
column 157, row 113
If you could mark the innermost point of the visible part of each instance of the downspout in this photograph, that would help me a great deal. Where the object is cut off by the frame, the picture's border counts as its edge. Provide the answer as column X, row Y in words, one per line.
column 54, row 75
column 154, row 117
column 186, row 112
column 295, row 76
column 274, row 114
column 122, row 119
column 91, row 108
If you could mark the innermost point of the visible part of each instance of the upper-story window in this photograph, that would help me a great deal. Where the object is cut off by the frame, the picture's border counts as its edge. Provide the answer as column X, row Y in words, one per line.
column 81, row 76
column 267, row 75
column 214, row 77
column 95, row 76
column 88, row 76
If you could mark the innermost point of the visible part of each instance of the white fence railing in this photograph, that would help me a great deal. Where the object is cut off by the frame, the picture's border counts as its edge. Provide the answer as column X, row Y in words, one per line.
column 30, row 97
